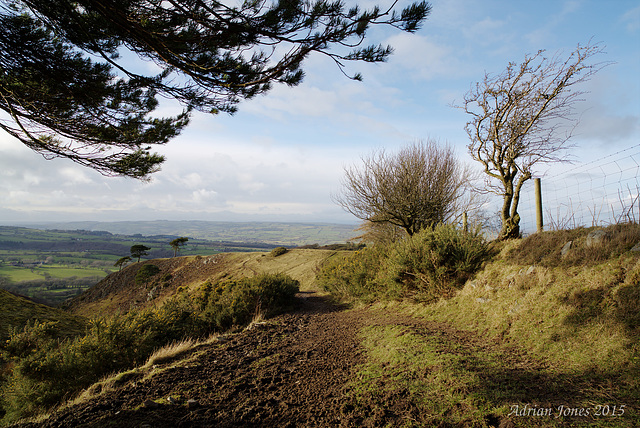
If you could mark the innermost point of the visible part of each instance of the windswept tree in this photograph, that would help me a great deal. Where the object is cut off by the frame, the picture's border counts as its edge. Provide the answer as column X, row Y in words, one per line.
column 522, row 117
column 177, row 243
column 139, row 250
column 122, row 261
column 69, row 85
column 420, row 186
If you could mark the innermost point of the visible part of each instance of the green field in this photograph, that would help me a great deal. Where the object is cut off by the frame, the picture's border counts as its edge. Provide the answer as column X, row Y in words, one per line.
column 52, row 265
column 18, row 274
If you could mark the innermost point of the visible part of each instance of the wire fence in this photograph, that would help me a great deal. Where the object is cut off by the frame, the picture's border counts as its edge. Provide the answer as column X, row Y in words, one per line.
column 598, row 193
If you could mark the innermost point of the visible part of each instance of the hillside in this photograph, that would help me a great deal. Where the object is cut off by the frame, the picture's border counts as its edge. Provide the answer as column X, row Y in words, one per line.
column 119, row 292
column 545, row 335
column 16, row 311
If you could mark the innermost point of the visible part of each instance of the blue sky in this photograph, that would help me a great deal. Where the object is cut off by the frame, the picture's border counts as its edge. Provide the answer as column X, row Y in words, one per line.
column 282, row 155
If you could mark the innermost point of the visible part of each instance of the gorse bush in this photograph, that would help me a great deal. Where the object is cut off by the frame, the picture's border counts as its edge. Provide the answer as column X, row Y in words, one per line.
column 278, row 251
column 354, row 274
column 434, row 262
column 234, row 302
column 430, row 264
column 46, row 369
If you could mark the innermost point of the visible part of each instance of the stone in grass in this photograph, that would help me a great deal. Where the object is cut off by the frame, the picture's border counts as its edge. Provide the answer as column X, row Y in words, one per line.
column 596, row 237
column 565, row 249
column 192, row 404
column 150, row 404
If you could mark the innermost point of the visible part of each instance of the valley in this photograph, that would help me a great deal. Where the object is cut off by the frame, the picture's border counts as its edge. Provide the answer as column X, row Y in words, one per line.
column 51, row 265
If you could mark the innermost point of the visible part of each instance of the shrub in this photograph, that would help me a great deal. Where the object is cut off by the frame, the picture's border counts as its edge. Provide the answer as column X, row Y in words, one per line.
column 354, row 274
column 47, row 369
column 146, row 272
column 434, row 261
column 278, row 251
column 236, row 302
column 429, row 264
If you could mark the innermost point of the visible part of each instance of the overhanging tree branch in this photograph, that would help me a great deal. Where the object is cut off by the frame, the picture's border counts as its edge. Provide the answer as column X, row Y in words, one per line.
column 70, row 94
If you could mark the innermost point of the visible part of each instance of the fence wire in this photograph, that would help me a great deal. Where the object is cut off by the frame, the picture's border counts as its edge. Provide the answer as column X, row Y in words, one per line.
column 597, row 193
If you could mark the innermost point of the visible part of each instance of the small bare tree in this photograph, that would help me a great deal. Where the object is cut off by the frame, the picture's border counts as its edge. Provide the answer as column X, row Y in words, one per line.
column 524, row 116
column 420, row 186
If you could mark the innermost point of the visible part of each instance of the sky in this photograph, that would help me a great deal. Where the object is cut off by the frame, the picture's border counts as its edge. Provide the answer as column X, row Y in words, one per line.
column 282, row 155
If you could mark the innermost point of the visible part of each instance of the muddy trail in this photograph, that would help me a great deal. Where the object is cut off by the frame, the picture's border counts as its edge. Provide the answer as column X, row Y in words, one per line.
column 292, row 370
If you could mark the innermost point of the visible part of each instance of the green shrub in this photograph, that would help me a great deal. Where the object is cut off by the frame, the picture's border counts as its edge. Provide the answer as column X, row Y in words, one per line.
column 278, row 251
column 424, row 266
column 47, row 369
column 354, row 274
column 146, row 272
column 237, row 302
column 434, row 262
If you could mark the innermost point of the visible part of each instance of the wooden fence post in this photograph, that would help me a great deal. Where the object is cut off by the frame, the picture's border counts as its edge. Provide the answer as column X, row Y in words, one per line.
column 539, row 222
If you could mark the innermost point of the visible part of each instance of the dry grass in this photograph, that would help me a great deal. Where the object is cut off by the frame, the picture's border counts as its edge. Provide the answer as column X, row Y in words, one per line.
column 169, row 352
column 545, row 248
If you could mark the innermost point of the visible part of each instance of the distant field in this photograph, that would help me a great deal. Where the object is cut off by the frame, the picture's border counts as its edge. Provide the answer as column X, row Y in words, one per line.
column 18, row 274
column 287, row 234
column 52, row 265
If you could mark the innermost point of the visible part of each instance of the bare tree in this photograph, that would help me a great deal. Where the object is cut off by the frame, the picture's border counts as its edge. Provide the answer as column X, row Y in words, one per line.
column 524, row 116
column 379, row 233
column 420, row 186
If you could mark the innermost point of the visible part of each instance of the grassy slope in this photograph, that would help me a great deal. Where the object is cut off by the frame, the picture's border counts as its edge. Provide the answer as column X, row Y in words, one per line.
column 533, row 329
column 119, row 291
column 575, row 318
column 16, row 311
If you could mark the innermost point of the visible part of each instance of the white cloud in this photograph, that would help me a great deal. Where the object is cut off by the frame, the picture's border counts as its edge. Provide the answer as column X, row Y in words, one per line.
column 631, row 20
column 420, row 57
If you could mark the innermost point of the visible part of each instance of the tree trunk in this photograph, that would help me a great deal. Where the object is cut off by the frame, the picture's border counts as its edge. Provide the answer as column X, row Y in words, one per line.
column 510, row 217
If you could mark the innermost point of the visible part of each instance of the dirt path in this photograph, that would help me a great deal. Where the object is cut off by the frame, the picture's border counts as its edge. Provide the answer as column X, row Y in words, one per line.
column 289, row 371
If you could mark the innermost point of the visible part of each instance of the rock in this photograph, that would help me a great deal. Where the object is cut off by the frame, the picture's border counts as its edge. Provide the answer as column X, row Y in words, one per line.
column 482, row 300
column 150, row 404
column 192, row 404
column 172, row 400
column 636, row 248
column 596, row 237
column 565, row 248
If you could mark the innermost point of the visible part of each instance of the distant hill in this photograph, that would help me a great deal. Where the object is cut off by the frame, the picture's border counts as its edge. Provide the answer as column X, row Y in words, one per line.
column 287, row 234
